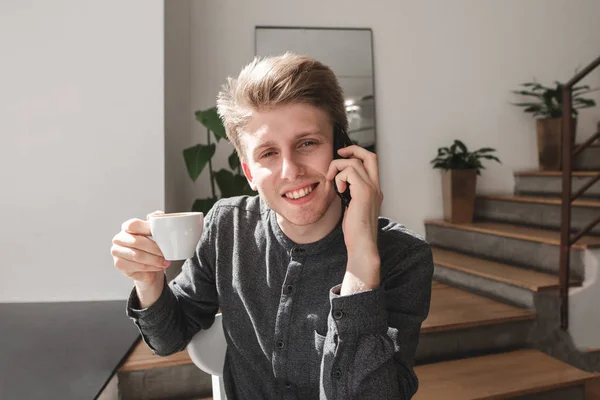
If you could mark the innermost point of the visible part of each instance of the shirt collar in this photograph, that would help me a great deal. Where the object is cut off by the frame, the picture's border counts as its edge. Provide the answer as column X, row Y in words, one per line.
column 332, row 241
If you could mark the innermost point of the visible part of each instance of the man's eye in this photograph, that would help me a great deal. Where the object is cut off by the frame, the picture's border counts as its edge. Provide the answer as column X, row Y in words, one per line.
column 267, row 154
column 307, row 143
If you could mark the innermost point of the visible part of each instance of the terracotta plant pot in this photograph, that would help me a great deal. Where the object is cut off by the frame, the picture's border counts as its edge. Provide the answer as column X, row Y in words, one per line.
column 549, row 142
column 458, row 188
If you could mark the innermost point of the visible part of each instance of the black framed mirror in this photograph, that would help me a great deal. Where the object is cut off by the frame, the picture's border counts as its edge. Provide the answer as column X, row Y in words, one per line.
column 349, row 52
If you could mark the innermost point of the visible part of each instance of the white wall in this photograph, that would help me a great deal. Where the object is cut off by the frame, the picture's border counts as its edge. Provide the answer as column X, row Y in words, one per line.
column 443, row 70
column 82, row 125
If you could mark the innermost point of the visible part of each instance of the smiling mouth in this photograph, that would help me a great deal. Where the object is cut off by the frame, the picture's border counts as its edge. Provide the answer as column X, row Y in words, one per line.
column 298, row 194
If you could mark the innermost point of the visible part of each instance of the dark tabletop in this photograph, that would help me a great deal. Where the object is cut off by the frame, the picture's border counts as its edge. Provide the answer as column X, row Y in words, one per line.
column 62, row 350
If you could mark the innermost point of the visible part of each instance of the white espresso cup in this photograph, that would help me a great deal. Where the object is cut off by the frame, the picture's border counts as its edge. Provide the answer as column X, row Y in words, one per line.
column 177, row 234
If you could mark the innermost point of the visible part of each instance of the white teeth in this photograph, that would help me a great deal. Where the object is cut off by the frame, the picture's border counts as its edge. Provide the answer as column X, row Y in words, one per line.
column 296, row 194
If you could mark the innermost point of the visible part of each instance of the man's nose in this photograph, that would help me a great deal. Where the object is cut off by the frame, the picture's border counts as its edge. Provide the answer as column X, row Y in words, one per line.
column 290, row 168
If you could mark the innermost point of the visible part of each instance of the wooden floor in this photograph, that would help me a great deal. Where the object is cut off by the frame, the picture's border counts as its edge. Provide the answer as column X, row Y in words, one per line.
column 519, row 232
column 452, row 308
column 497, row 376
column 520, row 277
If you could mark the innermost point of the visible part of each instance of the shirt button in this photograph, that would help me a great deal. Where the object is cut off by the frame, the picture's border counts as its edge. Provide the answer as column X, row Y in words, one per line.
column 288, row 385
column 280, row 344
column 289, row 288
column 338, row 314
column 297, row 250
column 337, row 374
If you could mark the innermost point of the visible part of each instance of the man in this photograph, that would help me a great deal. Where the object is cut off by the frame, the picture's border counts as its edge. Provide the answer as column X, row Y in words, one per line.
column 318, row 300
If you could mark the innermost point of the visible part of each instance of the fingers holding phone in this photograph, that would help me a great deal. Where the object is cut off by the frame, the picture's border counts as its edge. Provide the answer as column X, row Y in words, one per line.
column 356, row 166
column 357, row 172
column 347, row 172
column 368, row 160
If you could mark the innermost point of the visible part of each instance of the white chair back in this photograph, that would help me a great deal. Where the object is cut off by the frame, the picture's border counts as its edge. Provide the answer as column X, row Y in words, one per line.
column 207, row 350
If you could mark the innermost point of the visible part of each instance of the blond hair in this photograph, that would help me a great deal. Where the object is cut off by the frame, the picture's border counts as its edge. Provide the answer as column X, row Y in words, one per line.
column 279, row 80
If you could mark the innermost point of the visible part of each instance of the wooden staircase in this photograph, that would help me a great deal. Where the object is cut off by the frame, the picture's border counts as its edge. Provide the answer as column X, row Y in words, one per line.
column 524, row 373
column 502, row 269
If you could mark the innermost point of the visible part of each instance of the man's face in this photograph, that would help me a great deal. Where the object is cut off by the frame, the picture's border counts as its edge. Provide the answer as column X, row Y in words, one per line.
column 288, row 151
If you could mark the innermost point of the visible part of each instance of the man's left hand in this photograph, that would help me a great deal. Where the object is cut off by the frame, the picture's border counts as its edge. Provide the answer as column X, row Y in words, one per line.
column 359, row 169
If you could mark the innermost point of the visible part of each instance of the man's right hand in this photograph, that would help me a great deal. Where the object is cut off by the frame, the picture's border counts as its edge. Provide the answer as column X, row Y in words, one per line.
column 139, row 258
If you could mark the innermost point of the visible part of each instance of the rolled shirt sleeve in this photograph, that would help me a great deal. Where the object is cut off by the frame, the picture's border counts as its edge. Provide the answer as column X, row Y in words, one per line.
column 373, row 335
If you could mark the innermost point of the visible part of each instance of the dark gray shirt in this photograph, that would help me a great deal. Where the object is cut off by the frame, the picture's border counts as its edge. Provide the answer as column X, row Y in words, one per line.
column 290, row 335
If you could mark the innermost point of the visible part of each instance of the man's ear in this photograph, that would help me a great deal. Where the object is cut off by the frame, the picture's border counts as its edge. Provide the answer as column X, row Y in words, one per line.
column 248, row 175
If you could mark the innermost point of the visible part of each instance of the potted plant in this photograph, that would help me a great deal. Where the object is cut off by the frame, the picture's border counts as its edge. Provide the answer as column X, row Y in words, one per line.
column 459, row 177
column 546, row 106
column 197, row 158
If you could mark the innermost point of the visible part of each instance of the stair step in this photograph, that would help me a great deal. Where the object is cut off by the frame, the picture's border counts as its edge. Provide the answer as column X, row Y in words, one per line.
column 461, row 324
column 146, row 375
column 554, row 201
column 535, row 172
column 532, row 248
column 453, row 309
column 498, row 376
column 588, row 159
column 524, row 278
column 505, row 282
column 539, row 235
column 142, row 358
column 549, row 183
column 536, row 211
column 436, row 284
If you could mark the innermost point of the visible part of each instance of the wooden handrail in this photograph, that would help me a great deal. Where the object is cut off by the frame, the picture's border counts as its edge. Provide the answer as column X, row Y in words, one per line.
column 584, row 189
column 583, row 231
column 582, row 74
column 566, row 240
column 586, row 144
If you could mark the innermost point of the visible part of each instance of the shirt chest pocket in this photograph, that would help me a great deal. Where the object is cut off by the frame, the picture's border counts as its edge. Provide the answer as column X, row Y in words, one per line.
column 317, row 356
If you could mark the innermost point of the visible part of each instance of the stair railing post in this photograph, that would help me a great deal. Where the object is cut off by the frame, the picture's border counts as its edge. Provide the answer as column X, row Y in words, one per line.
column 565, row 227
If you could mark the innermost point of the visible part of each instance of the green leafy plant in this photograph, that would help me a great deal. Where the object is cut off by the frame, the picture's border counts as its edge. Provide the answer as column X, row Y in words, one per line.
column 197, row 158
column 458, row 156
column 547, row 102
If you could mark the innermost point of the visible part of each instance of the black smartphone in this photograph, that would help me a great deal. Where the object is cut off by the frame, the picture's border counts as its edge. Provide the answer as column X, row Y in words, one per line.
column 341, row 139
